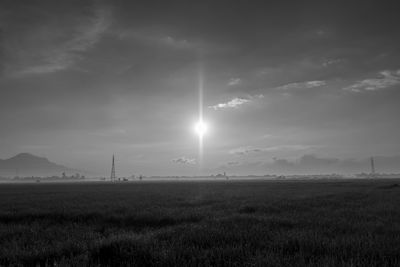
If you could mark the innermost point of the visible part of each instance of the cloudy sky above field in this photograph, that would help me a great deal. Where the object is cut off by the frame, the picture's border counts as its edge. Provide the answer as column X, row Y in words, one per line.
column 284, row 82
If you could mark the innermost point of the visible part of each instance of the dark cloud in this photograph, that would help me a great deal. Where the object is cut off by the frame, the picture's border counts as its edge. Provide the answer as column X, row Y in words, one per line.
column 45, row 37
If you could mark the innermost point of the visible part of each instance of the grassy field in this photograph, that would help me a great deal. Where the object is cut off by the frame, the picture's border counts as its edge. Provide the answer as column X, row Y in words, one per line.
column 225, row 223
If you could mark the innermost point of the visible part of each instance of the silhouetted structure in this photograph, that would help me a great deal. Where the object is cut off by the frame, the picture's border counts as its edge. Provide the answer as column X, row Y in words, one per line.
column 113, row 179
column 372, row 166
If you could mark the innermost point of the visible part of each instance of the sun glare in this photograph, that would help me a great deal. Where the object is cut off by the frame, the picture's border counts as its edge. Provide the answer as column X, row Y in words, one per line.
column 201, row 128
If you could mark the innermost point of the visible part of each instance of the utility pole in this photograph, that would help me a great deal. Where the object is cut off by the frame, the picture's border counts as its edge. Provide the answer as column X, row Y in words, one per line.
column 113, row 179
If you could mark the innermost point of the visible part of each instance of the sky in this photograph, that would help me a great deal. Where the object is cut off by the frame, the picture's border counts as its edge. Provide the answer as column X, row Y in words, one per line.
column 288, row 86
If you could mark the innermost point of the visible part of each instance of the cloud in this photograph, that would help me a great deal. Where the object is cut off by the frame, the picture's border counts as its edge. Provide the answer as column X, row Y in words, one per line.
column 266, row 136
column 329, row 62
column 312, row 160
column 241, row 165
column 162, row 38
column 313, row 164
column 387, row 79
column 307, row 163
column 241, row 151
column 301, row 85
column 288, row 148
column 176, row 43
column 59, row 45
column 245, row 150
column 184, row 160
column 234, row 103
column 316, row 164
column 282, row 163
column 234, row 81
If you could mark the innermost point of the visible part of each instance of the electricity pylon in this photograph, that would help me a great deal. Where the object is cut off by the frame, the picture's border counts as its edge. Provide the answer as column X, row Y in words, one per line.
column 372, row 166
column 113, row 179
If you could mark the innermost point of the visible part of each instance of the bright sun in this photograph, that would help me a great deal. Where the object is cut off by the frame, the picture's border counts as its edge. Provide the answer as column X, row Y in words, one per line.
column 201, row 128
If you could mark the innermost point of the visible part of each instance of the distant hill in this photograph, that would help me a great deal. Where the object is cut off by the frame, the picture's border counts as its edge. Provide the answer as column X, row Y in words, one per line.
column 25, row 164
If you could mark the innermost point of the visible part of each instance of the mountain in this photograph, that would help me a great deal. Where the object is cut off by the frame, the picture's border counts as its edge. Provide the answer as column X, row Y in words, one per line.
column 25, row 164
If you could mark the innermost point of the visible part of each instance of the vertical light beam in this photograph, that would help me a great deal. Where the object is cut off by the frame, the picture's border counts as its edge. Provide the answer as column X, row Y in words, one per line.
column 201, row 84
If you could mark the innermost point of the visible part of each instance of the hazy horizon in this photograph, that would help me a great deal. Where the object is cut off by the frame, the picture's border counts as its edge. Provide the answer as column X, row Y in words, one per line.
column 295, row 86
column 27, row 165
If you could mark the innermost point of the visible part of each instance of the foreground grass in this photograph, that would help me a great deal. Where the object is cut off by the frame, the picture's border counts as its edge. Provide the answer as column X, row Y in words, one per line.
column 232, row 223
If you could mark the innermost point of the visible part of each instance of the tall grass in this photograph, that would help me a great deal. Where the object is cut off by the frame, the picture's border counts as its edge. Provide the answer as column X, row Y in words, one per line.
column 264, row 223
